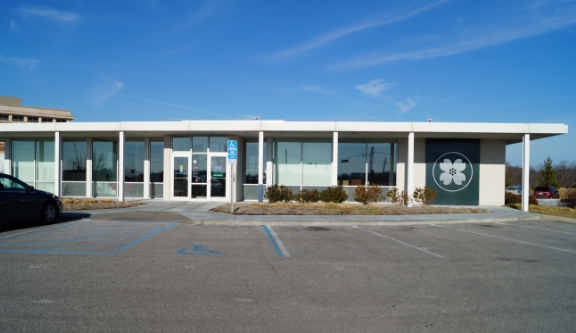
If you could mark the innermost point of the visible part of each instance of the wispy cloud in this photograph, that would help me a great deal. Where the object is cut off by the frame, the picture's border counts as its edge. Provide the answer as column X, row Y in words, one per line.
column 210, row 9
column 176, row 106
column 106, row 90
column 316, row 89
column 330, row 36
column 23, row 63
column 405, row 107
column 476, row 38
column 48, row 13
column 374, row 87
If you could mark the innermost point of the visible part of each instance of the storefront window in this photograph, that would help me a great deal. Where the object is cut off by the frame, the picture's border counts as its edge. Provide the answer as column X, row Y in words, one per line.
column 23, row 160
column 134, row 161
column 367, row 163
column 288, row 160
column 316, row 163
column 199, row 144
column 45, row 165
column 74, row 161
column 156, row 168
column 181, row 143
column 218, row 144
column 252, row 162
column 104, row 168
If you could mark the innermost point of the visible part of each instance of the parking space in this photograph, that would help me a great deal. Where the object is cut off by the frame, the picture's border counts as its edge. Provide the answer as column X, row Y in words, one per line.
column 456, row 277
column 83, row 237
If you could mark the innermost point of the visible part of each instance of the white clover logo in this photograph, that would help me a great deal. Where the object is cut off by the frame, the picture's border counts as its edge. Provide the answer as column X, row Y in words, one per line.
column 452, row 172
column 455, row 176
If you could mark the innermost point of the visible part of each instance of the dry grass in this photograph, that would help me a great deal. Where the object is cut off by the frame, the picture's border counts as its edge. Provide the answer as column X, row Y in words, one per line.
column 565, row 192
column 71, row 204
column 338, row 209
column 549, row 210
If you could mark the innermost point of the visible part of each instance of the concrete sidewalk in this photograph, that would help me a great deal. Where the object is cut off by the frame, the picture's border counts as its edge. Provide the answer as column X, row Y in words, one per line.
column 199, row 213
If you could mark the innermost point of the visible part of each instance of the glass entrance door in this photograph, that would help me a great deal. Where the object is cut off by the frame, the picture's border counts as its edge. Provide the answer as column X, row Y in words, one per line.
column 181, row 178
column 199, row 176
column 218, row 176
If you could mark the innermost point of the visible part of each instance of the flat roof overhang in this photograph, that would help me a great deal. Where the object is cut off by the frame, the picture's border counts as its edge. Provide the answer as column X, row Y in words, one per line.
column 511, row 132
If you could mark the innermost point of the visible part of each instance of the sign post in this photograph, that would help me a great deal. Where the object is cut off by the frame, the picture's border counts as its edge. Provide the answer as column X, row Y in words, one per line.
column 232, row 158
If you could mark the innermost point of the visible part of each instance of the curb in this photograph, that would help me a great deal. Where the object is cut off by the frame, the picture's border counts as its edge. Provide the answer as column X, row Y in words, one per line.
column 328, row 222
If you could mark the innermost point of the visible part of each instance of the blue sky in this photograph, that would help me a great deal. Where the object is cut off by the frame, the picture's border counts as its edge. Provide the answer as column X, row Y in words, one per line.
column 455, row 61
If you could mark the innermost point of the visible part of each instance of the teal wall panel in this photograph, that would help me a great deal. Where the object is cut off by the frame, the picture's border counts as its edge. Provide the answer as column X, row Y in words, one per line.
column 452, row 168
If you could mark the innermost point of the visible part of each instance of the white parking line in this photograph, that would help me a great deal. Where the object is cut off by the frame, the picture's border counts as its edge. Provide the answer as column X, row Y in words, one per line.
column 401, row 242
column 550, row 230
column 505, row 238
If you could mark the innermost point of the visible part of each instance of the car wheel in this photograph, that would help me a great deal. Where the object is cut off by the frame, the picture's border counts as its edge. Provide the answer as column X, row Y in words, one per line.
column 49, row 213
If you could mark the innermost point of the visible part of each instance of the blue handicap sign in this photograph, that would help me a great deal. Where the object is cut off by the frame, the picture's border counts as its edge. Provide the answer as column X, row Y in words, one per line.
column 197, row 250
column 232, row 144
column 232, row 154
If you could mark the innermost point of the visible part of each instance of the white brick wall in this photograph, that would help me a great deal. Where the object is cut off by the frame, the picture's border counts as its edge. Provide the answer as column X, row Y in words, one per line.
column 492, row 172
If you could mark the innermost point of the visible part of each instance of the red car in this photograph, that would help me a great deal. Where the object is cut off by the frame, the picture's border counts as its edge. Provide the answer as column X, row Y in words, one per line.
column 546, row 192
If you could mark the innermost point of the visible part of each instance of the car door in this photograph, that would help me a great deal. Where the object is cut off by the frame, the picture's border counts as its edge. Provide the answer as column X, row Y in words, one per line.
column 8, row 211
column 16, row 200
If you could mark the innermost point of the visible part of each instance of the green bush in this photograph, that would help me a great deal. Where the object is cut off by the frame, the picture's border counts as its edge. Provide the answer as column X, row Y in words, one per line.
column 277, row 193
column 397, row 197
column 424, row 195
column 368, row 194
column 308, row 196
column 511, row 198
column 334, row 194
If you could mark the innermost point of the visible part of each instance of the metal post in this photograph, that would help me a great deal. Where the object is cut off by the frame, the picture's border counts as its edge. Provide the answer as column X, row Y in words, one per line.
column 525, row 172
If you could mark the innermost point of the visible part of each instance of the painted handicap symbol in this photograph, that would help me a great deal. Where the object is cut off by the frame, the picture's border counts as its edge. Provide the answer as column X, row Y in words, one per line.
column 197, row 250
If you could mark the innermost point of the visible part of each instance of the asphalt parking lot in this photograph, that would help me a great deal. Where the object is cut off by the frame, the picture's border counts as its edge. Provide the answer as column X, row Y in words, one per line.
column 140, row 276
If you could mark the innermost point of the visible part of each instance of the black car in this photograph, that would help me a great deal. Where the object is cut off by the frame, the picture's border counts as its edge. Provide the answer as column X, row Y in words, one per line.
column 21, row 202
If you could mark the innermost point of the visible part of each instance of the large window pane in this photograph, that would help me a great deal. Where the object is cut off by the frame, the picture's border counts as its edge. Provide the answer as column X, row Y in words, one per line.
column 23, row 160
column 218, row 144
column 316, row 163
column 252, row 162
column 104, row 167
column 157, row 161
column 288, row 159
column 199, row 144
column 134, row 161
column 74, row 161
column 45, row 161
column 379, row 160
column 351, row 163
column 181, row 143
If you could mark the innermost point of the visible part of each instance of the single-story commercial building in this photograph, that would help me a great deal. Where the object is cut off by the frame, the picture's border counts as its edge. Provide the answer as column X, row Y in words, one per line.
column 187, row 160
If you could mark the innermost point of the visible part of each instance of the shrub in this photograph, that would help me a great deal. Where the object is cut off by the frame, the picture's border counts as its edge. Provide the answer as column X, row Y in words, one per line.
column 425, row 195
column 571, row 197
column 368, row 194
column 397, row 198
column 334, row 194
column 309, row 196
column 277, row 193
column 511, row 198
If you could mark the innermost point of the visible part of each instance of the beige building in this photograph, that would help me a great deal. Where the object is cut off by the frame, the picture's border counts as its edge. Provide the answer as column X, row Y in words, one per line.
column 11, row 110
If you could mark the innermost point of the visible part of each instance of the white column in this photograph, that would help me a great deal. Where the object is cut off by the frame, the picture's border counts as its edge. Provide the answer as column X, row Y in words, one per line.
column 525, row 171
column 260, row 168
column 89, row 182
column 269, row 166
column 57, row 164
column 121, row 166
column 334, row 181
column 410, row 167
column 147, row 168
column 8, row 156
